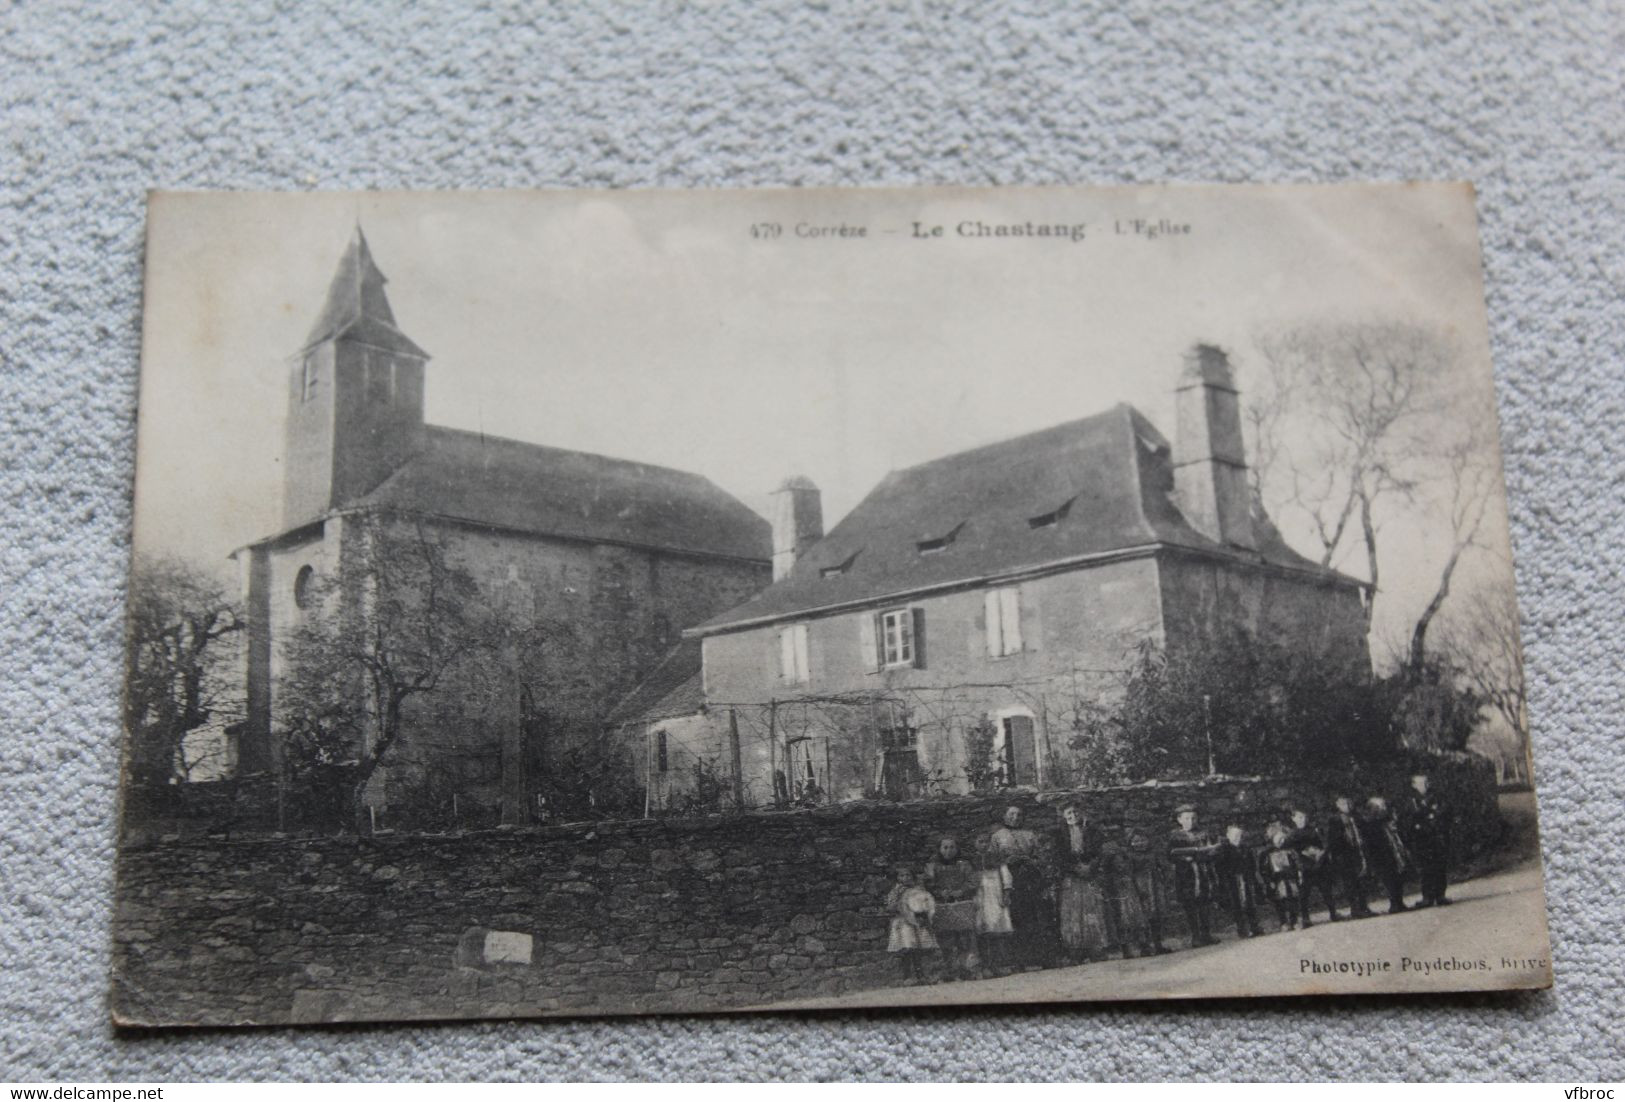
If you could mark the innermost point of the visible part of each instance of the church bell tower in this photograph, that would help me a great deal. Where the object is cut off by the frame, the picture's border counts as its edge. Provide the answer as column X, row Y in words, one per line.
column 355, row 394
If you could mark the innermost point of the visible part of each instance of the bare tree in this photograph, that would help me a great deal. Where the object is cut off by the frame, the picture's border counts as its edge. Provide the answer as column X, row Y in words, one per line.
column 1470, row 482
column 394, row 627
column 175, row 661
column 1340, row 421
column 1480, row 638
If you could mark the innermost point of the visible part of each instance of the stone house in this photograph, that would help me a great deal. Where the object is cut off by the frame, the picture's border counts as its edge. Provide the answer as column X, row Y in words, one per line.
column 948, row 633
column 616, row 558
column 669, row 739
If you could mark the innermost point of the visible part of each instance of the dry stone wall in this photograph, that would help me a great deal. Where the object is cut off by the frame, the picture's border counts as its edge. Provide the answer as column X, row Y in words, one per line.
column 620, row 917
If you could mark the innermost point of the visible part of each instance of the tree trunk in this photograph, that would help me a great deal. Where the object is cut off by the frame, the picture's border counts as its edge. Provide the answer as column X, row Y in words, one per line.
column 1416, row 661
column 1369, row 529
column 361, row 819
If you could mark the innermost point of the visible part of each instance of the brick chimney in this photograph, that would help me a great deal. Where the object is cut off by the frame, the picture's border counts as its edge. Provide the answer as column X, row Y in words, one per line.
column 1210, row 461
column 798, row 522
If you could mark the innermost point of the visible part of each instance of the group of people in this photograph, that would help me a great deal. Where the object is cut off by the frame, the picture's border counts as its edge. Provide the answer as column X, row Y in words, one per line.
column 1025, row 901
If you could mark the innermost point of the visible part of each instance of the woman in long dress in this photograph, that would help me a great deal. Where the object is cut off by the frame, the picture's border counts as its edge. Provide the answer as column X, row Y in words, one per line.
column 993, row 925
column 1086, row 922
column 1137, row 883
column 1010, row 905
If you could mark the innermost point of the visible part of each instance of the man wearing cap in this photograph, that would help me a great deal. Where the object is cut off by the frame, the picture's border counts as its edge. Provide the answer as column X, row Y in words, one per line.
column 1191, row 851
column 1425, row 822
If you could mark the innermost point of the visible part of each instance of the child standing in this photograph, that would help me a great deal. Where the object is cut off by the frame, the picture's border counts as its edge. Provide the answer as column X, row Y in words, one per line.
column 1139, row 901
column 1281, row 872
column 912, row 909
column 1237, row 870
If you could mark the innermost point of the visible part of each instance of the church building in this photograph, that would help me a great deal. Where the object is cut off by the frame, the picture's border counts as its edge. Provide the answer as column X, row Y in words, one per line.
column 611, row 560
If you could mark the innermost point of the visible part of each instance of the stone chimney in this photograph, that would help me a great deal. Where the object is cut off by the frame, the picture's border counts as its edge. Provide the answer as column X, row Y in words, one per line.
column 798, row 522
column 1210, row 461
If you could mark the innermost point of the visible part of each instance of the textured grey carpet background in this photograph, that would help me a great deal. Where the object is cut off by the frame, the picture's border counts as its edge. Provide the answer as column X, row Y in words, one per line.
column 102, row 103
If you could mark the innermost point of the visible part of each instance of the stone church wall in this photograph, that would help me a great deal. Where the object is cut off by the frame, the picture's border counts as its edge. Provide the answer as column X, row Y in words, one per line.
column 610, row 614
column 607, row 917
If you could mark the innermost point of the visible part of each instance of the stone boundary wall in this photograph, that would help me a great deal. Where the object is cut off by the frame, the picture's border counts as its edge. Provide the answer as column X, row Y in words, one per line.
column 622, row 917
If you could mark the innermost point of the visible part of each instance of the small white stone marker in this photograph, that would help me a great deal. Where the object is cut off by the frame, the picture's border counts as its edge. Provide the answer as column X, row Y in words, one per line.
column 507, row 947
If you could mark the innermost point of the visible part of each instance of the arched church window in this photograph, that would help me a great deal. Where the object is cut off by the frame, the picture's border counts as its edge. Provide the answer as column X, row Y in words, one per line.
column 301, row 586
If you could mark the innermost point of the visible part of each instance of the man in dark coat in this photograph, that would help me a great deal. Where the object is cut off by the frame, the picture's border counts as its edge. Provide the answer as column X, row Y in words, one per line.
column 1425, row 822
column 1236, row 868
column 1317, row 873
column 1191, row 853
column 1385, row 851
column 1345, row 856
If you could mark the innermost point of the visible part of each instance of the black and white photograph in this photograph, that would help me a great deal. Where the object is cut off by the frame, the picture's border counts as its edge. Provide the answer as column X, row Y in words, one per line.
column 561, row 603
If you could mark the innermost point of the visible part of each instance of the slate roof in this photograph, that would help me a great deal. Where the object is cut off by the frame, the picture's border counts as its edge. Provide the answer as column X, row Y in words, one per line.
column 676, row 687
column 1107, row 480
column 356, row 306
column 501, row 483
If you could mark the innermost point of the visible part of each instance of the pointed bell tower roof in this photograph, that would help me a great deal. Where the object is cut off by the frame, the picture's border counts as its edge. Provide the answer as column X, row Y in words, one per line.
column 357, row 307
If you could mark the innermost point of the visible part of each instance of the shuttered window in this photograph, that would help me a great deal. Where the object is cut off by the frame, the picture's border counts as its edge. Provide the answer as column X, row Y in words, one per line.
column 1002, row 611
column 893, row 639
column 896, row 638
column 794, row 666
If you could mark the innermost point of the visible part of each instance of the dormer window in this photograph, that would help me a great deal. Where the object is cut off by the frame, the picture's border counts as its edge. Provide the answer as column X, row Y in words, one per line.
column 939, row 543
column 1053, row 517
column 839, row 568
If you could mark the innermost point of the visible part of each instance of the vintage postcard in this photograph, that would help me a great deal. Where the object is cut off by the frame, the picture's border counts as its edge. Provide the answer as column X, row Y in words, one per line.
column 554, row 603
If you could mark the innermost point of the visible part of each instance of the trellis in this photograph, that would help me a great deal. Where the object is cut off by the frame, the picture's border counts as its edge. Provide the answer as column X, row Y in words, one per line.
column 782, row 726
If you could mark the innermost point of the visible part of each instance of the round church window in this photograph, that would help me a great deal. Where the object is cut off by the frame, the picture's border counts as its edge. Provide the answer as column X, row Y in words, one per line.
column 301, row 586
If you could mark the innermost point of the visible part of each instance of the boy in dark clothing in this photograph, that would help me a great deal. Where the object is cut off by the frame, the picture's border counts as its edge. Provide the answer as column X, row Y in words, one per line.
column 1236, row 869
column 1311, row 847
column 1385, row 851
column 1190, row 851
column 1345, row 856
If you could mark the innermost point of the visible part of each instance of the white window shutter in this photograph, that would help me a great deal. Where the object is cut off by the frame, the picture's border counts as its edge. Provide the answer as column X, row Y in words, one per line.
column 869, row 641
column 1010, row 617
column 787, row 654
column 803, row 666
column 994, row 621
column 1032, row 624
